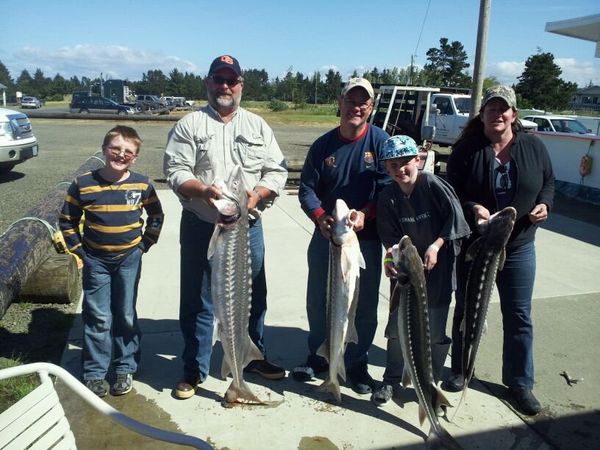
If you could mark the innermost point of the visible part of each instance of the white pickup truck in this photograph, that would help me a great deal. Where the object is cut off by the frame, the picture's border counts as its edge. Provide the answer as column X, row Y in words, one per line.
column 449, row 114
column 17, row 142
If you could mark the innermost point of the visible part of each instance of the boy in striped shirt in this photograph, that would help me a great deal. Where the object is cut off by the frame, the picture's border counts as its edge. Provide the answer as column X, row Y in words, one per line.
column 110, row 246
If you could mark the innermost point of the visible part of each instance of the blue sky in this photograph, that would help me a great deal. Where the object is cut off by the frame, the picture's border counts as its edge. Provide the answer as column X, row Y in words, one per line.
column 126, row 38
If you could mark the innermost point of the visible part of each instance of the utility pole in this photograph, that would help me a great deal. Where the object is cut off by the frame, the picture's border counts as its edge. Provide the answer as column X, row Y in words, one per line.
column 480, row 55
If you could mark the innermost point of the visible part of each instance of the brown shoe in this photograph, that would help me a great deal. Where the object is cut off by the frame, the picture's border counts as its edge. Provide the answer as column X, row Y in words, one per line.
column 265, row 369
column 186, row 388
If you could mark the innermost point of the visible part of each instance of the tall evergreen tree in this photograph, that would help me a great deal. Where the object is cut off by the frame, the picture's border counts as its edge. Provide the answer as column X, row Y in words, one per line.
column 540, row 84
column 5, row 77
column 447, row 65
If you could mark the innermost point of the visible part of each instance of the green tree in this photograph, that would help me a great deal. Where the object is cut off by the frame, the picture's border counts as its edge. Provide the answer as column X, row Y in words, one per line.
column 540, row 84
column 256, row 84
column 24, row 83
column 447, row 65
column 333, row 86
column 5, row 77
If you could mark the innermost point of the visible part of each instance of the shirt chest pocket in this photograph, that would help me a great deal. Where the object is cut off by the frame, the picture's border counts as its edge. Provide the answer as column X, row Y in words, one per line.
column 249, row 152
column 202, row 163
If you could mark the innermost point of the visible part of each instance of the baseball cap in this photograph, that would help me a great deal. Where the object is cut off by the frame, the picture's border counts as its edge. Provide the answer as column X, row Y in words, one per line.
column 225, row 62
column 399, row 146
column 504, row 92
column 358, row 82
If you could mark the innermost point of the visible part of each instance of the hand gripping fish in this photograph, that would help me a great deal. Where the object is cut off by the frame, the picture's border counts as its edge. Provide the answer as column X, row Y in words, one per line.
column 231, row 285
column 345, row 262
column 413, row 327
column 486, row 256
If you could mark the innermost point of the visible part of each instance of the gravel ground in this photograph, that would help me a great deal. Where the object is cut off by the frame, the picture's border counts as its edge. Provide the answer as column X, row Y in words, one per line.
column 38, row 332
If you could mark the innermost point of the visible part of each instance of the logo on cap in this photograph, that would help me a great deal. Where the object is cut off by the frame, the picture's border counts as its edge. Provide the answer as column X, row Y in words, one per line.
column 227, row 59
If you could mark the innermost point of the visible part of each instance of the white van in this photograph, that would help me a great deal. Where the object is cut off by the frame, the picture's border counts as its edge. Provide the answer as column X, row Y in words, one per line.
column 17, row 142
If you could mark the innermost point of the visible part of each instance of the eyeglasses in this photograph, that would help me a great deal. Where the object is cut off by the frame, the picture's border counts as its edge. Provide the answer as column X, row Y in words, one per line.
column 127, row 155
column 231, row 82
column 363, row 106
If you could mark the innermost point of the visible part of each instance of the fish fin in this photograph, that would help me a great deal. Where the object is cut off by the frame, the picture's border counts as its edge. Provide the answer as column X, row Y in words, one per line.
column 440, row 399
column 241, row 394
column 352, row 334
column 502, row 259
column 253, row 353
column 361, row 260
column 406, row 381
column 216, row 331
column 462, row 397
column 342, row 370
column 472, row 250
column 485, row 327
column 225, row 368
column 323, row 350
column 422, row 414
column 331, row 386
column 212, row 245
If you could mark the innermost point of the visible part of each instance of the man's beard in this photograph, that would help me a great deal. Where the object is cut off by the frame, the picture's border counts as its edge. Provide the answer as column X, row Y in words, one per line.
column 224, row 101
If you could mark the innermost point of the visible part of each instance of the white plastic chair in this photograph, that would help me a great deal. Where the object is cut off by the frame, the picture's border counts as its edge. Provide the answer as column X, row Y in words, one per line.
column 38, row 421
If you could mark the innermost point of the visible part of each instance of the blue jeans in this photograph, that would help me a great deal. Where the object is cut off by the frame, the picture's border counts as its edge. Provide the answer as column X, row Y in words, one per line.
column 515, row 288
column 438, row 316
column 110, row 323
column 368, row 298
column 195, row 302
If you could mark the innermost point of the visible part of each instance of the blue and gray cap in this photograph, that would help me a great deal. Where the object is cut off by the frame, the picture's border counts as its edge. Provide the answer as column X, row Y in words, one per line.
column 399, row 146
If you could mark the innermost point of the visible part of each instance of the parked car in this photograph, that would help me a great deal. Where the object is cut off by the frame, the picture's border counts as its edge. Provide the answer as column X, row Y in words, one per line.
column 98, row 105
column 559, row 124
column 17, row 142
column 151, row 104
column 31, row 102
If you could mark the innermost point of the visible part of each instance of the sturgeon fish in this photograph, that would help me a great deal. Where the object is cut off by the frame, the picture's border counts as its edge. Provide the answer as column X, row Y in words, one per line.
column 413, row 328
column 345, row 262
column 231, row 285
column 486, row 255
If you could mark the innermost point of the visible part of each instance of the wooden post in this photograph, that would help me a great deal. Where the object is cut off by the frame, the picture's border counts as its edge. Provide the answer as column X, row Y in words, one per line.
column 26, row 244
column 56, row 280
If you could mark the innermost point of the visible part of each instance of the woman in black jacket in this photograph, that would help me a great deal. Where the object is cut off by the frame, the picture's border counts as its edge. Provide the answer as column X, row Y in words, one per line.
column 493, row 165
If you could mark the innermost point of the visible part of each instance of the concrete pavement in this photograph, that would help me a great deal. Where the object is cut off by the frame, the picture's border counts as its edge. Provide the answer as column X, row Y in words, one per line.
column 566, row 314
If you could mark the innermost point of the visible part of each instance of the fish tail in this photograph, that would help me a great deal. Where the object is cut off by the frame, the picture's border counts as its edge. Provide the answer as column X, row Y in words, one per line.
column 241, row 394
column 332, row 386
column 439, row 438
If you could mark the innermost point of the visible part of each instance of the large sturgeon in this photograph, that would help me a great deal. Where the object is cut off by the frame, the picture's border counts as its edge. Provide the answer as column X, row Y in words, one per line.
column 345, row 262
column 413, row 328
column 231, row 285
column 486, row 256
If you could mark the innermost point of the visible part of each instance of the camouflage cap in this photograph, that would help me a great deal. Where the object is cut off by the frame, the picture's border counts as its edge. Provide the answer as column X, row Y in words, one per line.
column 399, row 146
column 502, row 91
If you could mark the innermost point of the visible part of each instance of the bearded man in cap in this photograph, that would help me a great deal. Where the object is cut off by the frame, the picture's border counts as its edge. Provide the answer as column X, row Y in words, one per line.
column 346, row 164
column 203, row 146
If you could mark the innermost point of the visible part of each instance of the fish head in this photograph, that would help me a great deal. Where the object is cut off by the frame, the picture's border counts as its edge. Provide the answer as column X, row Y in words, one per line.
column 499, row 225
column 234, row 201
column 343, row 222
column 406, row 260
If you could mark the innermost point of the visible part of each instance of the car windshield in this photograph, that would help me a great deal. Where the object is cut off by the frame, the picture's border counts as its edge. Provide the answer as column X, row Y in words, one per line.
column 463, row 104
column 569, row 126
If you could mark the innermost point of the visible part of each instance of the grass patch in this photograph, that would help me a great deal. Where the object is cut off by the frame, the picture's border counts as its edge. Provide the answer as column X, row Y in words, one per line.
column 14, row 389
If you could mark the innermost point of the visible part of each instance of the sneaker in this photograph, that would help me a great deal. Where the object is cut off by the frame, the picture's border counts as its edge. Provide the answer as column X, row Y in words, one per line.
column 454, row 383
column 123, row 385
column 265, row 369
column 360, row 380
column 98, row 387
column 525, row 401
column 382, row 394
column 314, row 364
column 186, row 388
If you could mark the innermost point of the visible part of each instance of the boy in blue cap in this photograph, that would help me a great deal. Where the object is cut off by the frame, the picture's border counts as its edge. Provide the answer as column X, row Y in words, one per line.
column 424, row 207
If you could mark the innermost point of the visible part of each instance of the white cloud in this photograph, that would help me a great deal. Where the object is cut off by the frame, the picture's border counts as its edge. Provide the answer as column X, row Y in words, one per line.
column 90, row 60
column 576, row 71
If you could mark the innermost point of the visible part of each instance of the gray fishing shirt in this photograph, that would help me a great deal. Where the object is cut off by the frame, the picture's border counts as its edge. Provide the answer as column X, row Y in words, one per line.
column 201, row 146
